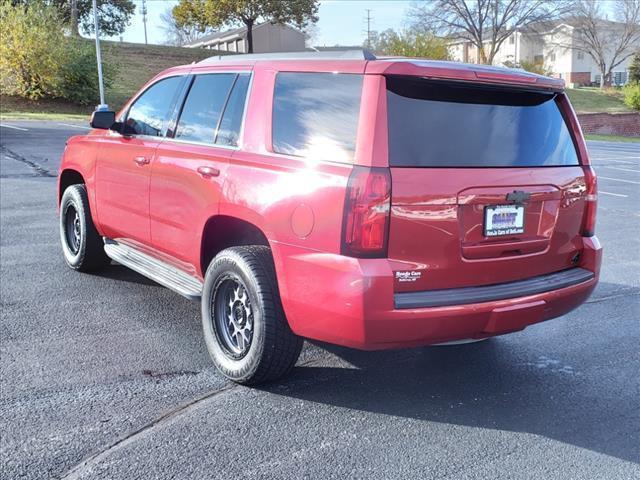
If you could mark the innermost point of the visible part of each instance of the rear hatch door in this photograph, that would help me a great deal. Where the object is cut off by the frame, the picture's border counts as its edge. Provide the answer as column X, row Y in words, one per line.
column 486, row 184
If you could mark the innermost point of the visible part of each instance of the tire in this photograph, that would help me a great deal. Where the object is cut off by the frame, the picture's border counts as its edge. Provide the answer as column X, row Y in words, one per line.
column 82, row 246
column 240, row 294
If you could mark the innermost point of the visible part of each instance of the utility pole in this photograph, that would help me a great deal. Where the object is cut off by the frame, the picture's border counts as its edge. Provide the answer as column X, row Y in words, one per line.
column 74, row 19
column 102, row 106
column 144, row 19
column 368, row 20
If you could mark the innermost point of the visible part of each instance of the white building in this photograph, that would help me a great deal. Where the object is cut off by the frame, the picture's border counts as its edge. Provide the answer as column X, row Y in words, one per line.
column 551, row 45
column 267, row 37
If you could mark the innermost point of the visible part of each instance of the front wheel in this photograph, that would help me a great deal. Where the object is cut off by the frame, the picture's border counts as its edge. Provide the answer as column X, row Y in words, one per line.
column 245, row 329
column 82, row 246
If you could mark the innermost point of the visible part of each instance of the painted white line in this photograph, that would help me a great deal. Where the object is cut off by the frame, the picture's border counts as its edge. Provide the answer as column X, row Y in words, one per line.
column 619, row 180
column 612, row 194
column 621, row 169
column 75, row 126
column 14, row 127
column 615, row 161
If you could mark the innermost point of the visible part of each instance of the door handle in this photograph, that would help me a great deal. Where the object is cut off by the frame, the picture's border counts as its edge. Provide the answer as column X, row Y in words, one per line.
column 208, row 172
column 141, row 160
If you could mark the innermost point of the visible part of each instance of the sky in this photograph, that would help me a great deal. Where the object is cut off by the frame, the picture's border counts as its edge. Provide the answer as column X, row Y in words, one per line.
column 341, row 22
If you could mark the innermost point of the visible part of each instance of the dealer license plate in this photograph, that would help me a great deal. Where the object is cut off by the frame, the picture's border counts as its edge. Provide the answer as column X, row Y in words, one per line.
column 503, row 220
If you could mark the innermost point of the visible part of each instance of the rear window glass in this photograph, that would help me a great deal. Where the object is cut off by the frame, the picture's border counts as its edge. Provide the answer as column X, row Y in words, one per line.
column 203, row 107
column 437, row 124
column 315, row 115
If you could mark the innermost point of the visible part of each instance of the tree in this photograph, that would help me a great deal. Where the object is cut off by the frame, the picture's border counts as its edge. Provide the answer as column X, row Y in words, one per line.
column 218, row 13
column 607, row 43
column 38, row 60
column 113, row 15
column 634, row 68
column 179, row 35
column 484, row 23
column 410, row 44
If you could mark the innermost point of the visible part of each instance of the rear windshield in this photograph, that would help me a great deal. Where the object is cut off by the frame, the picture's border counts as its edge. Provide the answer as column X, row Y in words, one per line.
column 438, row 124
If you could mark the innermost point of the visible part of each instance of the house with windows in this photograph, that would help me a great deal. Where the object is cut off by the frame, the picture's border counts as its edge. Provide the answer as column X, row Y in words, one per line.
column 552, row 44
column 267, row 38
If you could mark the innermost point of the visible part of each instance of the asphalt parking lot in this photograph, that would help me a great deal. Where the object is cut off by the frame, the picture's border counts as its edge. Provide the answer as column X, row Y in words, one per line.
column 107, row 376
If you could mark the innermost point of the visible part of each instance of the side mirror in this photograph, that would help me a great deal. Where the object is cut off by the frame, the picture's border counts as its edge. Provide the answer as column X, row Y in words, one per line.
column 103, row 119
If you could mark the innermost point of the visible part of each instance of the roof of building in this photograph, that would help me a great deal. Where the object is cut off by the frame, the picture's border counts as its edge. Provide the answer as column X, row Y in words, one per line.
column 234, row 32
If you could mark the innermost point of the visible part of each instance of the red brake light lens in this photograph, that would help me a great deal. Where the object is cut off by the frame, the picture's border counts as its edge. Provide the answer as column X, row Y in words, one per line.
column 591, row 202
column 365, row 227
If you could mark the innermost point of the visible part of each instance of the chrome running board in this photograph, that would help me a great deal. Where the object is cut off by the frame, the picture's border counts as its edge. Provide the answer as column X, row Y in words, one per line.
column 155, row 269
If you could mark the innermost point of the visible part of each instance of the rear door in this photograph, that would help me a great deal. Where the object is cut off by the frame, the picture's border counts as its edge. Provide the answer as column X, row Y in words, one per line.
column 191, row 164
column 486, row 184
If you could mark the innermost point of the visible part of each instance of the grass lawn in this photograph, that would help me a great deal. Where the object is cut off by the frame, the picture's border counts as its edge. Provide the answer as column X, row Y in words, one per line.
column 612, row 138
column 594, row 100
column 136, row 63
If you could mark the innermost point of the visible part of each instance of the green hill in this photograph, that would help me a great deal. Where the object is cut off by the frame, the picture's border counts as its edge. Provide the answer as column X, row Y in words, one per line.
column 136, row 63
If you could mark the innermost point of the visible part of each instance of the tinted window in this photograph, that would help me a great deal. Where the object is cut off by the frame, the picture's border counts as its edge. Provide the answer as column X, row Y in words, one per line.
column 229, row 129
column 316, row 115
column 203, row 107
column 435, row 124
column 149, row 113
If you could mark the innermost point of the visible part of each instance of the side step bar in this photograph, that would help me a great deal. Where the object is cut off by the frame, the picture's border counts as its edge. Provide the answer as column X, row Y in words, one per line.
column 157, row 270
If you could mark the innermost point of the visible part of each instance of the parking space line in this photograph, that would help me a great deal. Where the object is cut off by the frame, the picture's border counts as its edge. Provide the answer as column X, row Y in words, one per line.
column 75, row 126
column 619, row 180
column 14, row 127
column 614, row 161
column 613, row 194
column 621, row 169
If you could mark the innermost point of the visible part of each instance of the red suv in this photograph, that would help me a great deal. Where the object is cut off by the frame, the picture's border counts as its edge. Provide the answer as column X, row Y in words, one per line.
column 372, row 203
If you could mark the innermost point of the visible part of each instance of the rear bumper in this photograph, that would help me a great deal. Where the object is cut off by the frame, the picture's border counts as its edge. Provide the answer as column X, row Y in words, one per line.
column 351, row 302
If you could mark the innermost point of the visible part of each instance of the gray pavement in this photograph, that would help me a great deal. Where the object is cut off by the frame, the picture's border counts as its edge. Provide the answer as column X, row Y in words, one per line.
column 107, row 376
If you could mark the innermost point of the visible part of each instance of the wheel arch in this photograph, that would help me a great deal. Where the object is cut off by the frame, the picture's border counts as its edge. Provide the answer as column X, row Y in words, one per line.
column 68, row 177
column 237, row 232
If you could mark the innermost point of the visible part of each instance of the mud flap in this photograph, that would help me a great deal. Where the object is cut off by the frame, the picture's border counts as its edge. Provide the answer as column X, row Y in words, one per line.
column 514, row 317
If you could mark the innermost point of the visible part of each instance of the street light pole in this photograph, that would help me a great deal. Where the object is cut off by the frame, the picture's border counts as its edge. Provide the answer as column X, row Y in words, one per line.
column 102, row 106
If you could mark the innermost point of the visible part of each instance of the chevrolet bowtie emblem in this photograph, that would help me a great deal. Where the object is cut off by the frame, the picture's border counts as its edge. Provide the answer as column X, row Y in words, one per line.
column 518, row 196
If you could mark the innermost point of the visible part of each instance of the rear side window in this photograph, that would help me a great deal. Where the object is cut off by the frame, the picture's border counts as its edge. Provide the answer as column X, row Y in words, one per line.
column 149, row 113
column 203, row 107
column 315, row 115
column 229, row 130
column 438, row 124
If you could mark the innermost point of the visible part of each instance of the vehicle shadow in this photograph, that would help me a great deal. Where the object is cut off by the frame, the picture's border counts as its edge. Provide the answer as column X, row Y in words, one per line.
column 119, row 272
column 477, row 385
column 500, row 384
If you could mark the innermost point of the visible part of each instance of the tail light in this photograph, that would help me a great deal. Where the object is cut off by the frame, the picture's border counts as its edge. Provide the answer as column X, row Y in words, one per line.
column 365, row 226
column 591, row 202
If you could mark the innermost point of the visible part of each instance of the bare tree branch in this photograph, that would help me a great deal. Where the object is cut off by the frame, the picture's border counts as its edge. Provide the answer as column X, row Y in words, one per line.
column 484, row 23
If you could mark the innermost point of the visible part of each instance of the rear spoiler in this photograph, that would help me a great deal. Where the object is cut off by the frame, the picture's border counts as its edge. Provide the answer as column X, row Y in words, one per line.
column 464, row 72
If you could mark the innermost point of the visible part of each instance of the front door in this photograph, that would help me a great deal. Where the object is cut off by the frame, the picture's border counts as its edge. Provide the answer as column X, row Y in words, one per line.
column 123, row 166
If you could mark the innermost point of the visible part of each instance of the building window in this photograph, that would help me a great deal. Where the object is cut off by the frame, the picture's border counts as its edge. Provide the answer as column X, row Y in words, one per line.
column 512, row 40
column 580, row 55
column 552, row 56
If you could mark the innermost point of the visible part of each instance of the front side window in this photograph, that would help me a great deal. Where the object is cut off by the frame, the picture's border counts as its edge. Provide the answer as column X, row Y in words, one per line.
column 315, row 115
column 448, row 124
column 203, row 107
column 149, row 113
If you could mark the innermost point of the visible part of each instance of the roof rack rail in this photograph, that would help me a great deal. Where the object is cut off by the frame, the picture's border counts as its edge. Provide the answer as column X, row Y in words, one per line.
column 360, row 54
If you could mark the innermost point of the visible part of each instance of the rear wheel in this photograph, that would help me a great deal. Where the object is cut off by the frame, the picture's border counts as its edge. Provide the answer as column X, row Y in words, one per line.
column 245, row 329
column 82, row 246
